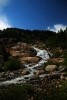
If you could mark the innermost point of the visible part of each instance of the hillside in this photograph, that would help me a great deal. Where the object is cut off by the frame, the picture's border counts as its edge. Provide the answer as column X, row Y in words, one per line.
column 33, row 63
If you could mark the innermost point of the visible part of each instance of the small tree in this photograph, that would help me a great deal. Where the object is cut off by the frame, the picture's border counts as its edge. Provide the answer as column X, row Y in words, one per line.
column 4, row 53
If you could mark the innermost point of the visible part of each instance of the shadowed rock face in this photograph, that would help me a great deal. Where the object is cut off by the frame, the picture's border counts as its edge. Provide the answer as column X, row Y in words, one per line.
column 27, row 49
column 22, row 50
column 25, row 53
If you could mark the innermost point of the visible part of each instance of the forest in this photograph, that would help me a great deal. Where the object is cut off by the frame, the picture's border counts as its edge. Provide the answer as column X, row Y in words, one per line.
column 50, row 38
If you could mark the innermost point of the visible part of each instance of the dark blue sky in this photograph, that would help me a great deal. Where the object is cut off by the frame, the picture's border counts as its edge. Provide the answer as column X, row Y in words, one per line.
column 36, row 14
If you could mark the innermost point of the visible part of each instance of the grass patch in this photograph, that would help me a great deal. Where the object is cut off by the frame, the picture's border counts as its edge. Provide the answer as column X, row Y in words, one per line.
column 52, row 91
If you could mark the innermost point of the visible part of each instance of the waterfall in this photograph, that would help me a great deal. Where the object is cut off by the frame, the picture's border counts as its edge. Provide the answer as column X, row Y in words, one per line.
column 40, row 53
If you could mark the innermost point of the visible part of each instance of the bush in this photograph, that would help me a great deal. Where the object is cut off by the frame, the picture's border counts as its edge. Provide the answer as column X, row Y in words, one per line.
column 4, row 53
column 11, row 64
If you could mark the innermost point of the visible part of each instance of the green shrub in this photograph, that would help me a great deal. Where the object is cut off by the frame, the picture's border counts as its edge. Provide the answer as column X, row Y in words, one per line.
column 4, row 53
column 11, row 64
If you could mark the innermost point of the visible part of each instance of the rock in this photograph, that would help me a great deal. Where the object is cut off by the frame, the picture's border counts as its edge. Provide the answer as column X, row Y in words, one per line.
column 30, row 59
column 25, row 72
column 65, row 78
column 19, row 54
column 63, row 69
column 51, row 68
column 34, row 77
column 32, row 51
column 12, row 74
column 57, row 60
column 31, row 98
column 9, row 77
column 39, row 72
column 54, row 76
column 64, row 74
column 25, row 46
column 62, row 77
column 28, row 49
column 22, row 50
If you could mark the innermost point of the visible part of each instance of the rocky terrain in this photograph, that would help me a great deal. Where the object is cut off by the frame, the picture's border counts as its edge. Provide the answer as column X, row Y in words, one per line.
column 42, row 75
column 34, row 64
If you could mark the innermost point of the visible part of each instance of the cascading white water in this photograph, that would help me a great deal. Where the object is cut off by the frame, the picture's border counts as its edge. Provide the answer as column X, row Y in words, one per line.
column 41, row 53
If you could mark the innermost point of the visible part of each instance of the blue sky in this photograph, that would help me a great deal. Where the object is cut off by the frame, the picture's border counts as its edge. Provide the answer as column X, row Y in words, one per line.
column 33, row 14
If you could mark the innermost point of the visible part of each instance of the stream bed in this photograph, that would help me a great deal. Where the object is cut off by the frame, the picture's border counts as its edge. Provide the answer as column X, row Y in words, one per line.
column 31, row 67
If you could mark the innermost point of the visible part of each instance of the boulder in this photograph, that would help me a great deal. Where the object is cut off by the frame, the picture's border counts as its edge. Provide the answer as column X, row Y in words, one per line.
column 34, row 77
column 51, row 68
column 54, row 76
column 39, row 72
column 57, row 60
column 62, row 77
column 25, row 72
column 30, row 59
column 32, row 52
column 18, row 54
column 22, row 50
